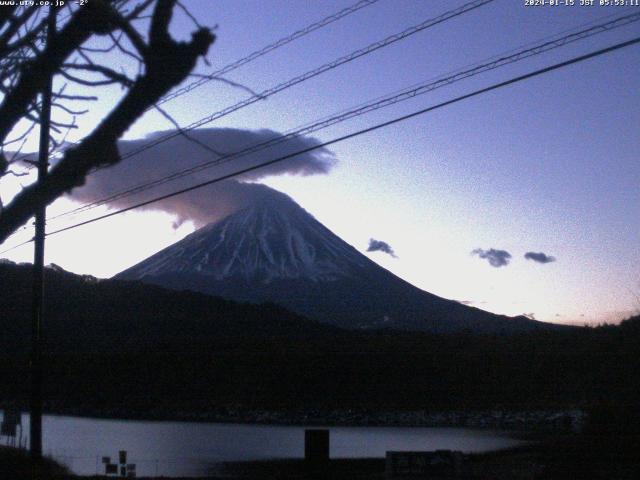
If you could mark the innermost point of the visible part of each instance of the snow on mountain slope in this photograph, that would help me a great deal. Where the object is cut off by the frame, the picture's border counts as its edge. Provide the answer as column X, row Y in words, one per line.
column 276, row 239
column 274, row 251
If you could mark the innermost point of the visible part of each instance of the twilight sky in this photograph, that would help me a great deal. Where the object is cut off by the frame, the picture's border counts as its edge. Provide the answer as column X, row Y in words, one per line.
column 522, row 200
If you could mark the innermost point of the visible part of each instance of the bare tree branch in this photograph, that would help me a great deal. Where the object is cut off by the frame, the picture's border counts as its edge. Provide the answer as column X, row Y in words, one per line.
column 15, row 23
column 135, row 13
column 230, row 83
column 22, row 136
column 89, row 20
column 189, row 14
column 107, row 72
column 68, row 110
column 84, row 98
column 166, row 64
column 136, row 40
column 182, row 132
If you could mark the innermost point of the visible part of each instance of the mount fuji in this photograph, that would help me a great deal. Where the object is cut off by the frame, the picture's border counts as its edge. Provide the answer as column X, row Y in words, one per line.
column 274, row 251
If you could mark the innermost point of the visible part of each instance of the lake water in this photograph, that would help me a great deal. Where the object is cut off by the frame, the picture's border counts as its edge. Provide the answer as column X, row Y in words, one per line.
column 191, row 449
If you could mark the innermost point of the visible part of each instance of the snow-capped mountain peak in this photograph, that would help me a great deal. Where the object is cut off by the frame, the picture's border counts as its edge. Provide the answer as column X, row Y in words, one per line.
column 274, row 251
column 275, row 239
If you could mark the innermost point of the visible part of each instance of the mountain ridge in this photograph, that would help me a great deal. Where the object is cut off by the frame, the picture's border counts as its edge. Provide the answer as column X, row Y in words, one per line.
column 275, row 251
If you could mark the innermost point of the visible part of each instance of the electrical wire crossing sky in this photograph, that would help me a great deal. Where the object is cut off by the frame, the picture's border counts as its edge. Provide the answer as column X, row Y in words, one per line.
column 519, row 198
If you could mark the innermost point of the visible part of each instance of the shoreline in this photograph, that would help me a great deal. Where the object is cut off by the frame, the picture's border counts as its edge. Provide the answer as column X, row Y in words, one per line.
column 529, row 420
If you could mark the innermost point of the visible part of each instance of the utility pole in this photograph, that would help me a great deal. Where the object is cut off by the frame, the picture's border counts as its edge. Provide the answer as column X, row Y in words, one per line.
column 35, row 415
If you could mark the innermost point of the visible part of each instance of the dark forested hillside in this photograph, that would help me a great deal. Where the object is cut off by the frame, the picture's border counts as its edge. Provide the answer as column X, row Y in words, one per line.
column 141, row 350
column 84, row 314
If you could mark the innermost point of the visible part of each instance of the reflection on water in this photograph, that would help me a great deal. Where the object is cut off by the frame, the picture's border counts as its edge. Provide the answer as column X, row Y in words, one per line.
column 189, row 449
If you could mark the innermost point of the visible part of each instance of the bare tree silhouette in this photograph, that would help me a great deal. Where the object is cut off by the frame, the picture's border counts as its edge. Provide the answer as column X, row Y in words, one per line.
column 134, row 31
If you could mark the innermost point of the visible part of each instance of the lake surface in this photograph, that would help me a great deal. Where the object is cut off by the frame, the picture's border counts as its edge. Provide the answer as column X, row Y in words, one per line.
column 192, row 449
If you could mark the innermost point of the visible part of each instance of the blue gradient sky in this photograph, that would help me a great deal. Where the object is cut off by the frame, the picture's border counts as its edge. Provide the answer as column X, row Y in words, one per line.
column 549, row 165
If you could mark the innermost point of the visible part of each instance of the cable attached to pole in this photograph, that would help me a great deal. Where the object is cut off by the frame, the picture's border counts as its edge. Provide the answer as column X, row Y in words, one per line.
column 35, row 415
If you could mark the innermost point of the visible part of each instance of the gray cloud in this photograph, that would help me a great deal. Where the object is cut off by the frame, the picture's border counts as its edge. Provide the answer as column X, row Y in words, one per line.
column 380, row 246
column 539, row 257
column 496, row 258
column 212, row 202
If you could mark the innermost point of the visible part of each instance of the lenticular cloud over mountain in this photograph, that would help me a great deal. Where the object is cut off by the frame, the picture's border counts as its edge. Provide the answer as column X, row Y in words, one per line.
column 215, row 201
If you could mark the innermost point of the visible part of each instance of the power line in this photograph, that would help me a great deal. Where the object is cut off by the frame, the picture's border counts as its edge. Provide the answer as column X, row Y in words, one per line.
column 311, row 74
column 272, row 46
column 16, row 246
column 362, row 132
column 317, row 71
column 259, row 53
column 405, row 94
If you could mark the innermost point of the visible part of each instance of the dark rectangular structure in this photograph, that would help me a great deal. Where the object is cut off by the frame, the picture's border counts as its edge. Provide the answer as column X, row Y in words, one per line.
column 316, row 446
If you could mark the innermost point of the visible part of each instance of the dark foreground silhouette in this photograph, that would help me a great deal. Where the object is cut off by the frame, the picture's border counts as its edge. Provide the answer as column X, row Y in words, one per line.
column 187, row 355
column 169, row 352
column 560, row 457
